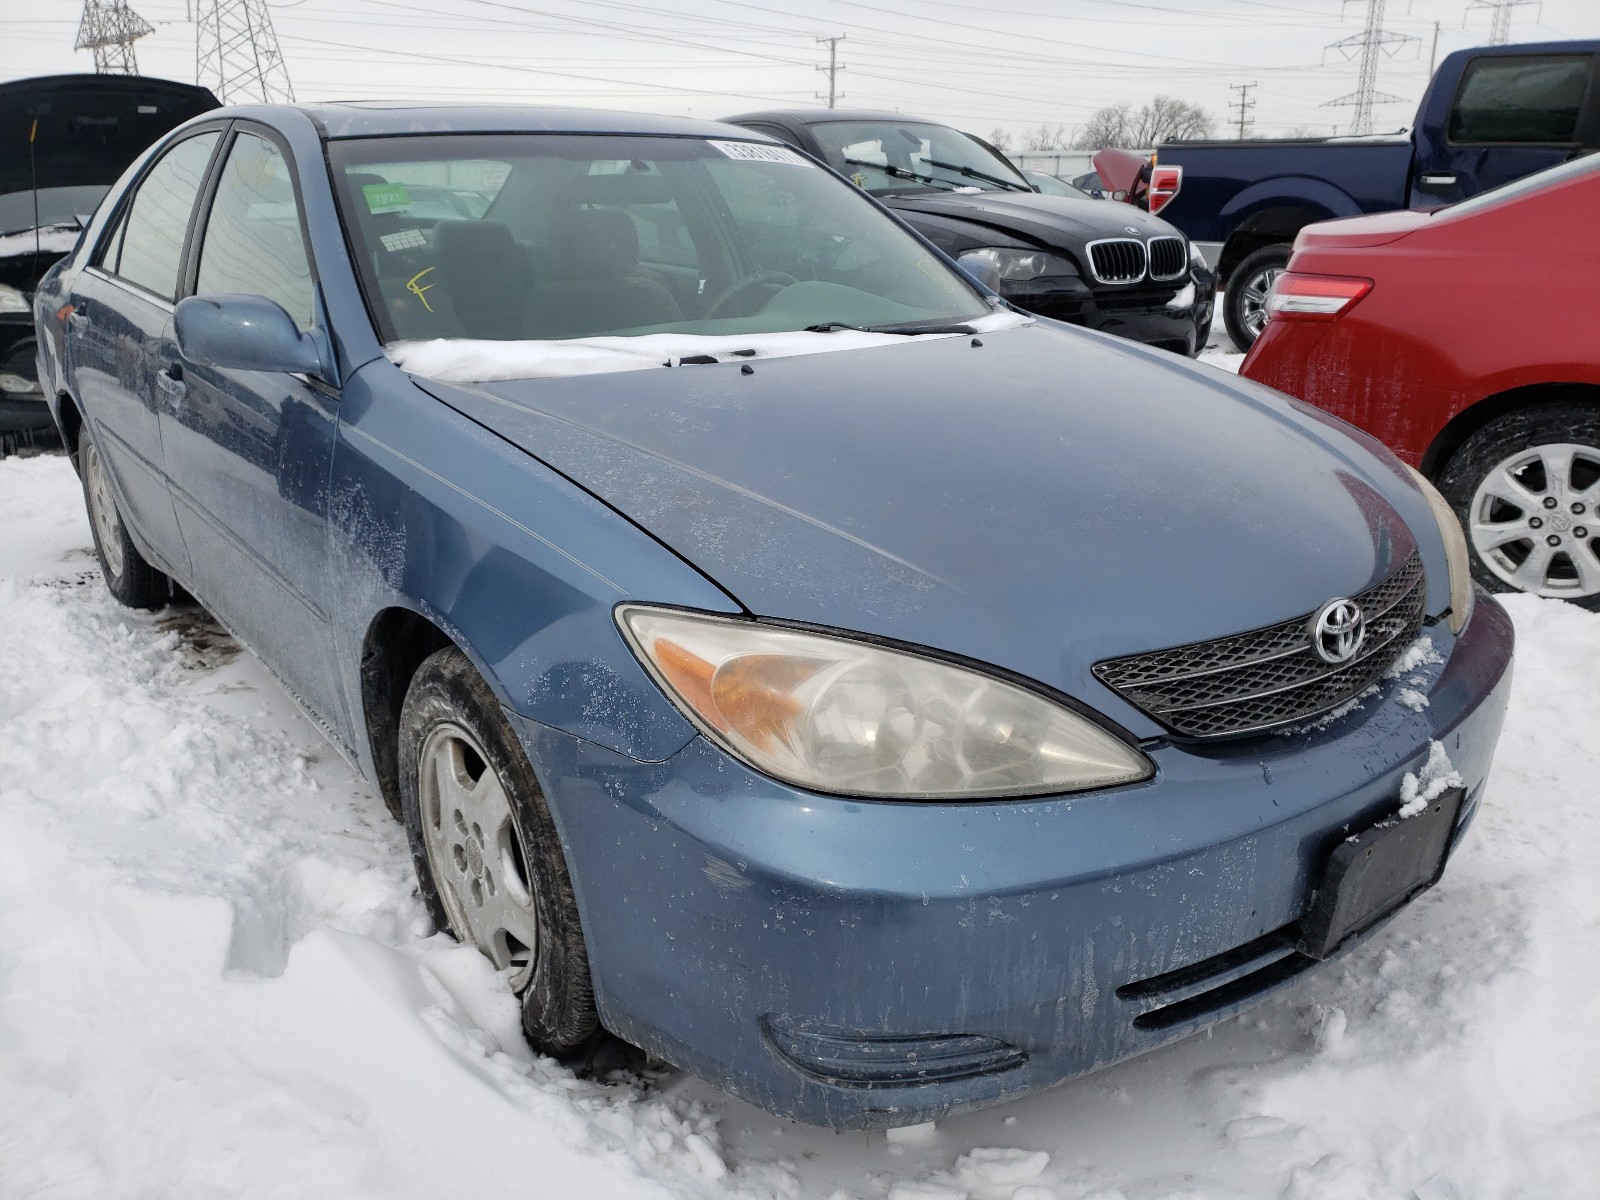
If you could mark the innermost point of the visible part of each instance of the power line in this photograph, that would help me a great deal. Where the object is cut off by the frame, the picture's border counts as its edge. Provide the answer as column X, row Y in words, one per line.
column 1244, row 104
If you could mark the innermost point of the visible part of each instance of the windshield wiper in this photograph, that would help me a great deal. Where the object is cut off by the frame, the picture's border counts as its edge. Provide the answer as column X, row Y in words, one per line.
column 908, row 327
column 901, row 173
column 974, row 173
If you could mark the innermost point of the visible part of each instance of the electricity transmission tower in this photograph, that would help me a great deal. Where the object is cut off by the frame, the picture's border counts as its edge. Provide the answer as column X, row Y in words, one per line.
column 236, row 53
column 1244, row 104
column 1499, row 17
column 109, row 28
column 1374, row 40
column 833, row 68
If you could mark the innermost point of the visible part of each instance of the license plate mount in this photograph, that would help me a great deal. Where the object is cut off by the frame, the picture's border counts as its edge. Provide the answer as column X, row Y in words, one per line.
column 1372, row 873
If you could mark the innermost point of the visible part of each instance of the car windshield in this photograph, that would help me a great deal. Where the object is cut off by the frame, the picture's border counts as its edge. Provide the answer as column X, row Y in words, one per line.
column 898, row 156
column 578, row 236
column 57, row 206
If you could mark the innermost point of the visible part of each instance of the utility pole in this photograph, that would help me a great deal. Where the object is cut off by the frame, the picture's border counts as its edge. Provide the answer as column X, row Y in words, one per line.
column 1499, row 17
column 236, row 53
column 833, row 68
column 1433, row 52
column 1244, row 104
column 1374, row 40
column 109, row 28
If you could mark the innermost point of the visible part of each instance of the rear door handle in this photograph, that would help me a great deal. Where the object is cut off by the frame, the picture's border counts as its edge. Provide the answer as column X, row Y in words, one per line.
column 169, row 380
column 1438, row 181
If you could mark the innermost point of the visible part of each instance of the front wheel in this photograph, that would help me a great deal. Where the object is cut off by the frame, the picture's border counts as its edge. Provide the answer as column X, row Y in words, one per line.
column 1526, row 488
column 489, row 863
column 1244, row 306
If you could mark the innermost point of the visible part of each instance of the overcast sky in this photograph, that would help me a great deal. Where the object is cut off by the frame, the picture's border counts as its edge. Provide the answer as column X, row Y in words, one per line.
column 1009, row 64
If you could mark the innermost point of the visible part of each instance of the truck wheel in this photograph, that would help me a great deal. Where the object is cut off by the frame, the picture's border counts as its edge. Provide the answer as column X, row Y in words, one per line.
column 488, row 860
column 1245, row 305
column 1526, row 487
column 128, row 577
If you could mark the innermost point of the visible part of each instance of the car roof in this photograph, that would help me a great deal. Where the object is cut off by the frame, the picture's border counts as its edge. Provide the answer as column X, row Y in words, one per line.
column 358, row 119
column 822, row 116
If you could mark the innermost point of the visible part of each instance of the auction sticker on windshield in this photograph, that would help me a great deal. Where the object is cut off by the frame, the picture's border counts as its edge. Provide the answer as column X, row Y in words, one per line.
column 386, row 197
column 754, row 152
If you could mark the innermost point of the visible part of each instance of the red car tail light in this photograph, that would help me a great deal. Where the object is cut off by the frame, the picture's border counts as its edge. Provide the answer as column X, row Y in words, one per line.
column 1164, row 185
column 1314, row 297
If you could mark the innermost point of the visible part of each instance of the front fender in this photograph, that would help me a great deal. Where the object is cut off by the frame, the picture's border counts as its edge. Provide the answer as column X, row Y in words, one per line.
column 520, row 567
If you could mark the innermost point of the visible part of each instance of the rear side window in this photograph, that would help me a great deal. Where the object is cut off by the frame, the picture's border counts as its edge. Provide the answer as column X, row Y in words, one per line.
column 1523, row 100
column 149, row 245
column 253, row 244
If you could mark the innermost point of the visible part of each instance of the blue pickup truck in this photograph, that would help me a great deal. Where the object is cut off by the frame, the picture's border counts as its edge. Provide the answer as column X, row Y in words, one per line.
column 1489, row 116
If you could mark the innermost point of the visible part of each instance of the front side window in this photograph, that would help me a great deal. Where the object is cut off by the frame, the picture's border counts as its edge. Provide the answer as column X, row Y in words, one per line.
column 148, row 248
column 896, row 156
column 252, row 243
column 592, row 235
column 1523, row 100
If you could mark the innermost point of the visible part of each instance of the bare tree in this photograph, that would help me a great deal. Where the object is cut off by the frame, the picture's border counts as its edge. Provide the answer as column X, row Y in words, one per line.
column 1108, row 127
column 1048, row 137
column 1000, row 140
column 1163, row 119
column 1302, row 131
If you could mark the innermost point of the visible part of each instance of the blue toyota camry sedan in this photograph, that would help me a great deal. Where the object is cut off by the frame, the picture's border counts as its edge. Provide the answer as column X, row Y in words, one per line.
column 782, row 654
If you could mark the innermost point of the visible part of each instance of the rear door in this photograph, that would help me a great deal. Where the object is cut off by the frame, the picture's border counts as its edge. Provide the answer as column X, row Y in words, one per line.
column 122, row 311
column 1512, row 115
column 248, row 452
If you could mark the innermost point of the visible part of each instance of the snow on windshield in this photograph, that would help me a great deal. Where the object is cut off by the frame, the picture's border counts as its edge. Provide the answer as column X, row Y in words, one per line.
column 464, row 360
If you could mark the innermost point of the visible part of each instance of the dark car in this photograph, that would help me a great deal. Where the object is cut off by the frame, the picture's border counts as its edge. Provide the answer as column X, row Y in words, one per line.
column 1491, row 115
column 65, row 139
column 1117, row 270
column 780, row 652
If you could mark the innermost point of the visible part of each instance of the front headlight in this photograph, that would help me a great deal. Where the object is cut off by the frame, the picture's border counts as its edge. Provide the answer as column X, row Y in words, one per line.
column 837, row 715
column 995, row 264
column 11, row 300
column 1455, row 552
column 1196, row 259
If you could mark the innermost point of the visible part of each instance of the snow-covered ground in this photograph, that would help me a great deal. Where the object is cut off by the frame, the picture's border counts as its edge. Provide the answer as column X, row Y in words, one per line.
column 216, row 981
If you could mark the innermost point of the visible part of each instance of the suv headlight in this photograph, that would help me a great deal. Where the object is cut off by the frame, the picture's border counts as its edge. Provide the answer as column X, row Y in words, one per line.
column 1196, row 259
column 1455, row 551
column 11, row 300
column 833, row 714
column 993, row 265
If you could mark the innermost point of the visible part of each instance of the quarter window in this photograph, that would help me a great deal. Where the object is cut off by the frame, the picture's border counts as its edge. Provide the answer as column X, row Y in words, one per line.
column 253, row 243
column 149, row 245
column 1521, row 100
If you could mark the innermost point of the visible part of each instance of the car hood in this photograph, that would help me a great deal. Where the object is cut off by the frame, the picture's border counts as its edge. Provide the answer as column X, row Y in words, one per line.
column 1048, row 220
column 89, row 127
column 1040, row 502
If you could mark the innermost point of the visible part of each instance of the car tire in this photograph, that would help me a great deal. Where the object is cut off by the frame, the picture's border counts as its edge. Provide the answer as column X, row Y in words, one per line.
column 1244, row 304
column 1507, row 479
column 129, row 578
column 488, row 859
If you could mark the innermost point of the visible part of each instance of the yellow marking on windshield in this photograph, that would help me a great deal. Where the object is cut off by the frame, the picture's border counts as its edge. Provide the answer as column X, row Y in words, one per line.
column 415, row 290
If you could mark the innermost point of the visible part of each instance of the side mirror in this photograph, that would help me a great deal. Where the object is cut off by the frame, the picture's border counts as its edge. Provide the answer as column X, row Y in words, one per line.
column 244, row 333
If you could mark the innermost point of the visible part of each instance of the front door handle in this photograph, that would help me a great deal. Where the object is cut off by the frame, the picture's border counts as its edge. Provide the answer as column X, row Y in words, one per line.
column 170, row 381
column 79, row 321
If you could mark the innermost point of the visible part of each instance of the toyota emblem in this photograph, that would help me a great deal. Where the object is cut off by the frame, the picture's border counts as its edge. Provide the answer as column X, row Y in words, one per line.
column 1337, row 631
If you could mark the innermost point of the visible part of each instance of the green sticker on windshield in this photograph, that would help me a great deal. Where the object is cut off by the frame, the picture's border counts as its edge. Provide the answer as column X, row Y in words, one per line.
column 385, row 197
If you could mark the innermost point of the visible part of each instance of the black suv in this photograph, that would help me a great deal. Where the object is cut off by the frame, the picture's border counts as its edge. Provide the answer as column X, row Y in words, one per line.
column 1106, row 266
column 66, row 139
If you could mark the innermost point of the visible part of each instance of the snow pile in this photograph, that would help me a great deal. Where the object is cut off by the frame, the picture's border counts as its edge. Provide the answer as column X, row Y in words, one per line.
column 216, row 980
column 465, row 360
column 55, row 240
column 1436, row 777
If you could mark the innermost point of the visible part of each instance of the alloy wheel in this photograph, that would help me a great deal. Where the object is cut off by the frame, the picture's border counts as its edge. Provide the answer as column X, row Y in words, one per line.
column 1533, row 520
column 475, row 851
column 1253, row 299
column 103, row 510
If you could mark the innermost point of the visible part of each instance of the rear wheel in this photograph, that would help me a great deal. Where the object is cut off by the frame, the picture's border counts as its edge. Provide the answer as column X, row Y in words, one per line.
column 1245, row 305
column 489, row 863
column 128, row 576
column 1526, row 487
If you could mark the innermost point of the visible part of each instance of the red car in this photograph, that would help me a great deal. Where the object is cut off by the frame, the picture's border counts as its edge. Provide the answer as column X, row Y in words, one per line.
column 1468, row 341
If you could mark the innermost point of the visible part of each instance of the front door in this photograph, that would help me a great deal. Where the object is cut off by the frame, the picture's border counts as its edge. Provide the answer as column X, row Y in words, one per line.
column 121, row 313
column 248, row 452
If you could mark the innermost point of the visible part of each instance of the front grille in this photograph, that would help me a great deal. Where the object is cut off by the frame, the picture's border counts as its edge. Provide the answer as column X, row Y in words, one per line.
column 1168, row 258
column 1253, row 681
column 1117, row 260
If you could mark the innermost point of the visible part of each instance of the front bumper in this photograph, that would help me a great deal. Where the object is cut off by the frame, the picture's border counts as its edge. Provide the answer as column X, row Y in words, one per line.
column 1172, row 316
column 864, row 964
